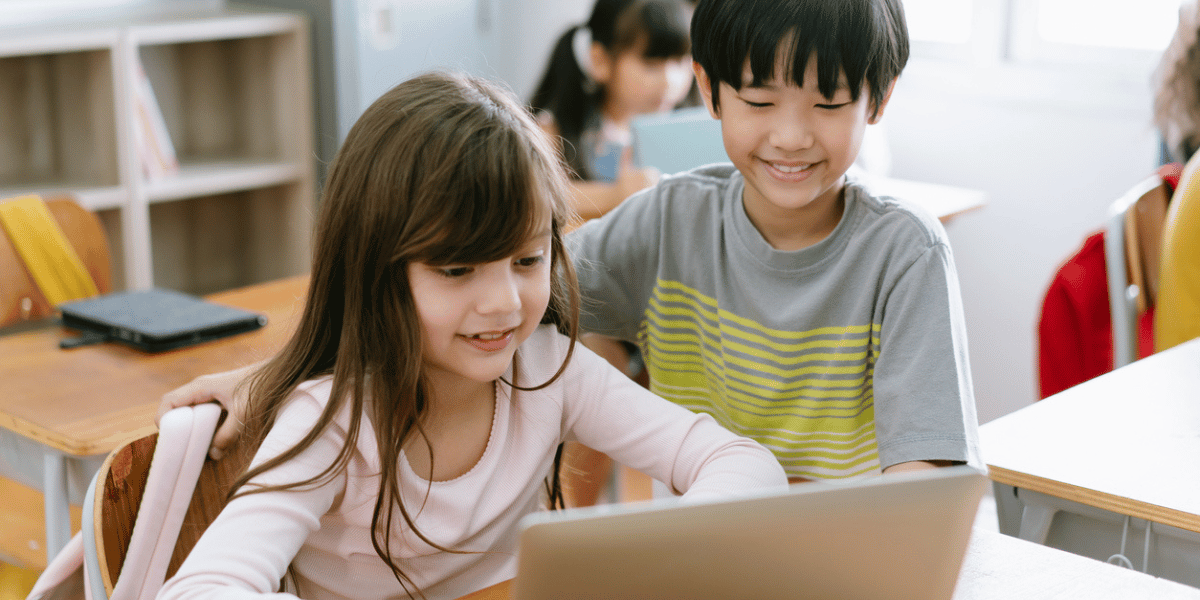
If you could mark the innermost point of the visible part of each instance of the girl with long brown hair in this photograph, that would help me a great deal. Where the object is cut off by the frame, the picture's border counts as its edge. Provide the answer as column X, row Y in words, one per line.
column 419, row 410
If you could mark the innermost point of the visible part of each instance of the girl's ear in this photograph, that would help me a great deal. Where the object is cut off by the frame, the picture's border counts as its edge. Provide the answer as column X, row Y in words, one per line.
column 602, row 63
column 877, row 113
column 705, row 86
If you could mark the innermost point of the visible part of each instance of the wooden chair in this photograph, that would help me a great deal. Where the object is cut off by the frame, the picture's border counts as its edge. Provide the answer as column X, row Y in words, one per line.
column 20, row 298
column 1132, row 249
column 21, row 301
column 1177, row 308
column 154, row 502
column 147, row 506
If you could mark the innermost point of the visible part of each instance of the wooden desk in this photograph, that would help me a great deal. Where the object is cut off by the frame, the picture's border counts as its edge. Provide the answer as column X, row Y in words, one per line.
column 943, row 201
column 1001, row 567
column 1127, row 442
column 87, row 401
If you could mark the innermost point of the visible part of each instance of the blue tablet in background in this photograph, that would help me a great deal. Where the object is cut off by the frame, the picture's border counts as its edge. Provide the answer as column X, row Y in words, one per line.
column 677, row 141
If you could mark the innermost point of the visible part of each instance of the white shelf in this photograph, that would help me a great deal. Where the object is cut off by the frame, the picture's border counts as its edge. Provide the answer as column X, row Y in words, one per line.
column 94, row 199
column 233, row 87
column 28, row 41
column 213, row 27
column 213, row 178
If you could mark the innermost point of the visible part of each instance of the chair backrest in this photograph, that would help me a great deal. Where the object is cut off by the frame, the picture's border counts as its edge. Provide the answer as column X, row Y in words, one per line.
column 20, row 298
column 1177, row 311
column 152, row 499
column 1132, row 248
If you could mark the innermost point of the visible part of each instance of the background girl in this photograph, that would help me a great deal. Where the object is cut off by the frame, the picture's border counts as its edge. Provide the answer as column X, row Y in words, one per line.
column 630, row 58
column 419, row 408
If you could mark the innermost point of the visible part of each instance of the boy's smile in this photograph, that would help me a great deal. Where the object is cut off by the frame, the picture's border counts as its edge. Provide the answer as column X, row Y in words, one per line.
column 792, row 145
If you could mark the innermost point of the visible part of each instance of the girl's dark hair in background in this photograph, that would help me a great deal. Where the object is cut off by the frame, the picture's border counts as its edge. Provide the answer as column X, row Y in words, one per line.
column 867, row 39
column 571, row 97
column 441, row 169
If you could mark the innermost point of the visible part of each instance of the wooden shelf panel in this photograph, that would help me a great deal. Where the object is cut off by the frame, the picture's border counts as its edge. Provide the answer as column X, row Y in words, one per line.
column 207, row 244
column 57, row 112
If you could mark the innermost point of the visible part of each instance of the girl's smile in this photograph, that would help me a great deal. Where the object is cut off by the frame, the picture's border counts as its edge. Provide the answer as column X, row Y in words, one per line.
column 492, row 341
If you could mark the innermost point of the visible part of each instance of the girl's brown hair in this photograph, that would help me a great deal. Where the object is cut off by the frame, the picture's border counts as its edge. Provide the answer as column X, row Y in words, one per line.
column 1177, row 88
column 442, row 169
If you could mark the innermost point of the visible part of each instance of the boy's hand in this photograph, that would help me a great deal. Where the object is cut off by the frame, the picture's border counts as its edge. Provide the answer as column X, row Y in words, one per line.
column 224, row 388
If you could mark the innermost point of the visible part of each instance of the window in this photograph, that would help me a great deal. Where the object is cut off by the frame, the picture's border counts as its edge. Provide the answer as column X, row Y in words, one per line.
column 939, row 21
column 1110, row 32
column 1114, row 32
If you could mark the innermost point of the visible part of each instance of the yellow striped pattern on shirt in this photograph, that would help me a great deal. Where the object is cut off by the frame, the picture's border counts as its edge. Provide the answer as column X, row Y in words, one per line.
column 805, row 395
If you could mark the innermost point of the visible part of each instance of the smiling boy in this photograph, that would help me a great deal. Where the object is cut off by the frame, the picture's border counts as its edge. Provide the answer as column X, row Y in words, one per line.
column 775, row 293
column 779, row 296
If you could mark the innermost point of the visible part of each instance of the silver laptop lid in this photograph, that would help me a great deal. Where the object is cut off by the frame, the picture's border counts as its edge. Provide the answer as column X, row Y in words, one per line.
column 895, row 537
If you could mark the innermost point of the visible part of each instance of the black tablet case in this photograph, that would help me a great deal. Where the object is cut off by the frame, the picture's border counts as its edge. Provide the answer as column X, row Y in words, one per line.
column 155, row 320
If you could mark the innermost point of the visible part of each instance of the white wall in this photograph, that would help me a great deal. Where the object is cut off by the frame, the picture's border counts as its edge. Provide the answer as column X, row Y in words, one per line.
column 530, row 28
column 1052, row 148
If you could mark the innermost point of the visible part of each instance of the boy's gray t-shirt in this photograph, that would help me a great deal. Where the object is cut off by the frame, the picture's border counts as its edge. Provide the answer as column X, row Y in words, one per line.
column 843, row 358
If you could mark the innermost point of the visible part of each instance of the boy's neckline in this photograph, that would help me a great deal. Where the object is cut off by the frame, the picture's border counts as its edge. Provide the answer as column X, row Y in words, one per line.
column 779, row 231
column 748, row 241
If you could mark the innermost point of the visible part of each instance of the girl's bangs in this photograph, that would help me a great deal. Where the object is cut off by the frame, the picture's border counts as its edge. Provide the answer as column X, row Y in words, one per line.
column 491, row 206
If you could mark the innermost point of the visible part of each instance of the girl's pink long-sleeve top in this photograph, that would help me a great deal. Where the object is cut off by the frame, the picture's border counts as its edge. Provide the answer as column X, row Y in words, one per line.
column 325, row 532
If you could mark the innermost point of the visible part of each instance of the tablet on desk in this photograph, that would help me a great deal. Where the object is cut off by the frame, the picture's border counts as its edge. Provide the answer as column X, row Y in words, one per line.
column 154, row 320
column 896, row 537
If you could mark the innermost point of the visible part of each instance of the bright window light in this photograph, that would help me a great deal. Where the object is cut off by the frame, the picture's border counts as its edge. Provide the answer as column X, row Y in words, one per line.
column 939, row 21
column 1136, row 24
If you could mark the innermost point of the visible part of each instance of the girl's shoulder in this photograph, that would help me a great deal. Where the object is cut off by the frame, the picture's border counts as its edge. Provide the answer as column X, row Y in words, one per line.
column 542, row 354
column 316, row 391
column 308, row 401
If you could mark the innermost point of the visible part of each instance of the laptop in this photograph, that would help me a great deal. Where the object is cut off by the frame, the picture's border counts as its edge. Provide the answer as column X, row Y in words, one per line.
column 678, row 140
column 154, row 320
column 896, row 537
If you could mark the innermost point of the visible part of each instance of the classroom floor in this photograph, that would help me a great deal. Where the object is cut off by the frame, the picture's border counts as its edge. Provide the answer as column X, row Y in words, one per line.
column 15, row 582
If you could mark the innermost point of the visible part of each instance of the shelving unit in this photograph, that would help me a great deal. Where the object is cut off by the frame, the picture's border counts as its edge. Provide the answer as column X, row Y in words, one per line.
column 234, row 86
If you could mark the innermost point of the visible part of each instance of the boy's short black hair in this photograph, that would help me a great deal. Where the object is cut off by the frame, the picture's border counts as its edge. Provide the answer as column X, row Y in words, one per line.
column 865, row 39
